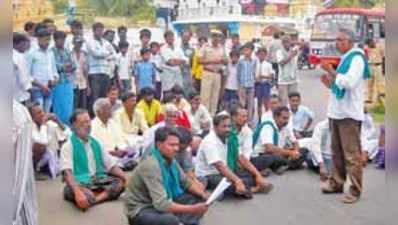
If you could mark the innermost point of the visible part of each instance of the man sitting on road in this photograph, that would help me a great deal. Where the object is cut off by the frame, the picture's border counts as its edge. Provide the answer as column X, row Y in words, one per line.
column 105, row 130
column 91, row 174
column 159, row 192
column 219, row 156
column 47, row 134
column 272, row 137
column 302, row 116
column 131, row 120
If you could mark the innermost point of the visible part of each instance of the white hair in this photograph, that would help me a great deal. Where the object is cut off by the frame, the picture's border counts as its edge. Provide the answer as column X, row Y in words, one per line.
column 349, row 33
column 99, row 104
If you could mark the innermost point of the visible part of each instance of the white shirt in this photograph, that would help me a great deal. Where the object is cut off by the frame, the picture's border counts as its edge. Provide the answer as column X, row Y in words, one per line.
column 245, row 137
column 125, row 66
column 67, row 158
column 352, row 104
column 48, row 134
column 201, row 115
column 232, row 79
column 158, row 61
column 211, row 150
column 320, row 142
column 22, row 78
column 168, row 53
column 110, row 135
column 285, row 137
column 264, row 68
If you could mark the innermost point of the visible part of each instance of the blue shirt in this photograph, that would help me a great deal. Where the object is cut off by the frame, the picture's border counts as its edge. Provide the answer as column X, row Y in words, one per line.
column 41, row 65
column 301, row 117
column 145, row 72
column 246, row 72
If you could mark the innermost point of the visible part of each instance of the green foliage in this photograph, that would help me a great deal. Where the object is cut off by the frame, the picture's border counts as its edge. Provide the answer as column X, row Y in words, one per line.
column 133, row 9
column 138, row 9
column 60, row 6
column 357, row 3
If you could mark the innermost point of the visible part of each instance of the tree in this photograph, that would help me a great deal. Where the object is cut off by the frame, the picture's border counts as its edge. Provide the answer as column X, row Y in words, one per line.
column 357, row 3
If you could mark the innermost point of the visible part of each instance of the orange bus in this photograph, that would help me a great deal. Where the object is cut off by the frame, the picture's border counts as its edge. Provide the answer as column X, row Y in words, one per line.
column 365, row 24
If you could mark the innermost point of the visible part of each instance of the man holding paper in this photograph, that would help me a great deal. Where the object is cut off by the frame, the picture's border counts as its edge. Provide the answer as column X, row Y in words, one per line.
column 159, row 192
column 345, row 113
column 219, row 156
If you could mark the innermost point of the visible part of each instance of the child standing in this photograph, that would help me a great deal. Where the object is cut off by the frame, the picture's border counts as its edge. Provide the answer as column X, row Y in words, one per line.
column 145, row 71
column 264, row 77
column 231, row 84
column 124, row 67
column 156, row 59
column 246, row 79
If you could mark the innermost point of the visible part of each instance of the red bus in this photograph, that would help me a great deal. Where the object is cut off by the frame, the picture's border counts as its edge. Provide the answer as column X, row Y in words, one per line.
column 365, row 24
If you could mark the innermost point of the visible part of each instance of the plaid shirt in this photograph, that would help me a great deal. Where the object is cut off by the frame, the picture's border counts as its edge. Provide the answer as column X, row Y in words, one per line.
column 246, row 72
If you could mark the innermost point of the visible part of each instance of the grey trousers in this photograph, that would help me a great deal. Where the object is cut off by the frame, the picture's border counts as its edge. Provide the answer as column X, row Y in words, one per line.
column 151, row 216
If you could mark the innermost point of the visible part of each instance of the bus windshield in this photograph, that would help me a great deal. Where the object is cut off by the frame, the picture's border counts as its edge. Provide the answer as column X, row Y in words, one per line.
column 326, row 26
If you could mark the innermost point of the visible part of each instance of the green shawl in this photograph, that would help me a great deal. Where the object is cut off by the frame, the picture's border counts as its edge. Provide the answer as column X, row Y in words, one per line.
column 233, row 149
column 257, row 132
column 80, row 161
column 343, row 68
column 170, row 175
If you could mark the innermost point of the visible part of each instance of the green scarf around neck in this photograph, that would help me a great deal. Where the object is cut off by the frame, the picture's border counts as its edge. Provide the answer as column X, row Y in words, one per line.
column 80, row 161
column 170, row 175
column 233, row 149
column 257, row 132
column 343, row 68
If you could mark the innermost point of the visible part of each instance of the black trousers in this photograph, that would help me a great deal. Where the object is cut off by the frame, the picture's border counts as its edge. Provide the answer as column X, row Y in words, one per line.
column 80, row 98
column 264, row 161
column 151, row 216
column 99, row 84
column 247, row 178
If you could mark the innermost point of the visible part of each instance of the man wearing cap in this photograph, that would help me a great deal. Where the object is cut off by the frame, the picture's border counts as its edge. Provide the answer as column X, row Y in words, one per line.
column 174, row 59
column 213, row 58
column 41, row 65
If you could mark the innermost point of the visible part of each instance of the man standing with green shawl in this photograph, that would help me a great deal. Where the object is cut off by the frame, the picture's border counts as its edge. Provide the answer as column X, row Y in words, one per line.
column 91, row 174
column 345, row 112
column 159, row 192
column 219, row 156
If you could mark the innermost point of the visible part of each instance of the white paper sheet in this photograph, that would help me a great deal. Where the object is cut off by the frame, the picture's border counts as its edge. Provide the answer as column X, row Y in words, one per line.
column 221, row 187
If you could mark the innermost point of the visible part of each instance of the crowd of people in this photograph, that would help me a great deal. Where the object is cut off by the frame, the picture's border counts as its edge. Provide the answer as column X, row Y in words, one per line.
column 181, row 118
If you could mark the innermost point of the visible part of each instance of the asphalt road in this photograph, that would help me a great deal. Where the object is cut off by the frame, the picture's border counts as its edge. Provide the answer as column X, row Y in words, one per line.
column 295, row 200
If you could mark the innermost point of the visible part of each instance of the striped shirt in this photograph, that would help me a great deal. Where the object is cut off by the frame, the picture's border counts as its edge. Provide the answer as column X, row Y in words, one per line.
column 98, row 53
column 246, row 72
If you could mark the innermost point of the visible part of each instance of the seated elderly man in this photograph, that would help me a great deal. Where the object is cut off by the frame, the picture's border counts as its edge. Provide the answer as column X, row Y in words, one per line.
column 110, row 134
column 47, row 134
column 90, row 172
column 170, row 113
column 159, row 192
column 219, row 156
column 272, row 137
column 131, row 120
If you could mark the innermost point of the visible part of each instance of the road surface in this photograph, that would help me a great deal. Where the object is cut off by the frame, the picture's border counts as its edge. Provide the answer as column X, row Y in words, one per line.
column 296, row 198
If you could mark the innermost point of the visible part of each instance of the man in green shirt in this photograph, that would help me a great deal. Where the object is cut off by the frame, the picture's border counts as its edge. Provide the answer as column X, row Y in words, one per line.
column 158, row 191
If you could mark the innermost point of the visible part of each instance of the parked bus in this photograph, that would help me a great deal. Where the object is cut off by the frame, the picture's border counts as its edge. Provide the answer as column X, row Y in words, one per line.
column 365, row 24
